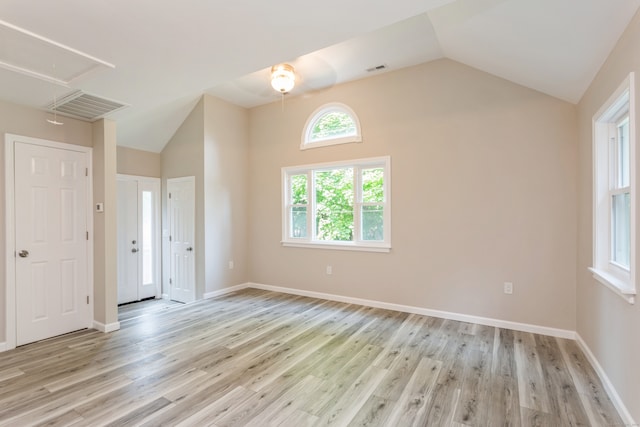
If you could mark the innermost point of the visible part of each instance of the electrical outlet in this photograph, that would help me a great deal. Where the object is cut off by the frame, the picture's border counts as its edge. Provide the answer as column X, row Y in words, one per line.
column 329, row 270
column 230, row 265
column 508, row 288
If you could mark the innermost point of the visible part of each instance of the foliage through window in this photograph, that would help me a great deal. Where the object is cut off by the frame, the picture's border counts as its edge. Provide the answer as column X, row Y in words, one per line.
column 331, row 124
column 344, row 204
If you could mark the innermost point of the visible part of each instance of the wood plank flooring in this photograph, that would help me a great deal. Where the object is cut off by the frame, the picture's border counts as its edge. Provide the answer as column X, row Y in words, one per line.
column 258, row 358
column 144, row 308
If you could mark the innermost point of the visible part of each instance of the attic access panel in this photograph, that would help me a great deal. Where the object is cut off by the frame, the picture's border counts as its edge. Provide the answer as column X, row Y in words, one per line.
column 33, row 55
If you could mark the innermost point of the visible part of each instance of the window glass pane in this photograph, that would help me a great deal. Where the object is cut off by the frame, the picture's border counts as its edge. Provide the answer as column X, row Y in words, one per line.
column 623, row 153
column 334, row 204
column 299, row 189
column 620, row 227
column 373, row 185
column 298, row 222
column 372, row 222
column 334, row 124
column 147, row 237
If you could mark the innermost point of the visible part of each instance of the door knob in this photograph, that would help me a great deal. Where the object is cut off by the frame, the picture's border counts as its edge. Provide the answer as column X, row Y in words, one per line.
column 189, row 249
column 23, row 253
column 133, row 242
column 134, row 250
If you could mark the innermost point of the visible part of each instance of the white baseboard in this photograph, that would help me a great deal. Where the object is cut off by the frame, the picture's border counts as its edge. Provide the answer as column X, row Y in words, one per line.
column 610, row 389
column 223, row 291
column 3, row 346
column 165, row 296
column 524, row 327
column 110, row 327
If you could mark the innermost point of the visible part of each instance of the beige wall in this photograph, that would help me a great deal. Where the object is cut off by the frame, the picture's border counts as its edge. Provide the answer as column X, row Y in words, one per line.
column 19, row 120
column 226, row 157
column 609, row 325
column 104, row 224
column 483, row 192
column 139, row 163
column 212, row 145
column 182, row 156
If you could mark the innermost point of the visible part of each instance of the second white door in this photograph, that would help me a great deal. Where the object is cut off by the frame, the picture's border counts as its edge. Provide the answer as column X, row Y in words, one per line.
column 182, row 281
column 138, row 238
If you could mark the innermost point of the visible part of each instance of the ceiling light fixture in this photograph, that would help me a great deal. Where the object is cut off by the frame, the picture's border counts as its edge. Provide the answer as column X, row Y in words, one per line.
column 283, row 78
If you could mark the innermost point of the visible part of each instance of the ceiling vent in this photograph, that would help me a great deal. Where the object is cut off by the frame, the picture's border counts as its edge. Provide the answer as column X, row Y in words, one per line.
column 84, row 106
column 377, row 68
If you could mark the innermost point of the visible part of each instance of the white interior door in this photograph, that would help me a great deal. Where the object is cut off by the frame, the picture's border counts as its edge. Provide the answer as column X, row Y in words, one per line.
column 138, row 238
column 181, row 208
column 51, row 241
column 127, row 226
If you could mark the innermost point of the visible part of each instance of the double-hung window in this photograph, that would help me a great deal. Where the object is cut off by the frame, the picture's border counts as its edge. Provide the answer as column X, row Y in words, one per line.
column 620, row 194
column 342, row 205
column 614, row 193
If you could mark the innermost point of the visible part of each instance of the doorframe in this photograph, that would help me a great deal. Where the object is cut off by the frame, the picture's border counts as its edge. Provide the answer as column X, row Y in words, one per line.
column 158, row 219
column 10, row 238
column 192, row 180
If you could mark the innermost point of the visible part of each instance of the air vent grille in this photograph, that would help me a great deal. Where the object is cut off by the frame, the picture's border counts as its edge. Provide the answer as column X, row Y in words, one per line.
column 84, row 106
column 377, row 68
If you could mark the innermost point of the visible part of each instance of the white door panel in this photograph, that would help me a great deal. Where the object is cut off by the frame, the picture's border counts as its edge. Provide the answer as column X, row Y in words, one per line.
column 127, row 226
column 182, row 234
column 51, row 243
column 138, row 238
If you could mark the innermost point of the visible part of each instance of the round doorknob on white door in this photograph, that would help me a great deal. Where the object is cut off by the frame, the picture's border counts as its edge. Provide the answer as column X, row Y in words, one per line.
column 189, row 249
column 23, row 253
column 134, row 250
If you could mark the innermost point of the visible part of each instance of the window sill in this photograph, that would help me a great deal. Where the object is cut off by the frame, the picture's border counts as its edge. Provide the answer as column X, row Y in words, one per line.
column 339, row 246
column 619, row 287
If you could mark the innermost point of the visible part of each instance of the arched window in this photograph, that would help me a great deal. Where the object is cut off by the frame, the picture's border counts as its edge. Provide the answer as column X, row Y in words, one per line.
column 331, row 124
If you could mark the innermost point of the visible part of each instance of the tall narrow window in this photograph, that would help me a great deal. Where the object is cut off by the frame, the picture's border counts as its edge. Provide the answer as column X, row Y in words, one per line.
column 147, row 244
column 620, row 195
column 614, row 193
column 298, row 206
column 372, row 204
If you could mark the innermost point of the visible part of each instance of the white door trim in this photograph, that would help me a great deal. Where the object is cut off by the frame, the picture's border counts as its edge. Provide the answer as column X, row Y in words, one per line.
column 158, row 219
column 10, row 241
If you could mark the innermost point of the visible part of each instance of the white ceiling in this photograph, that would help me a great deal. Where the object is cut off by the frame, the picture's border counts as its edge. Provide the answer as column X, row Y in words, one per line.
column 167, row 53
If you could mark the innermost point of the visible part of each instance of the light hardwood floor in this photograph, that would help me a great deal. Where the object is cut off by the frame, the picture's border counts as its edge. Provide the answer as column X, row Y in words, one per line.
column 145, row 308
column 258, row 358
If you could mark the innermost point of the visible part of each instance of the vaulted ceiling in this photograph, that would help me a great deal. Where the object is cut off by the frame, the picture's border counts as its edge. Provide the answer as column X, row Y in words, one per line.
column 157, row 57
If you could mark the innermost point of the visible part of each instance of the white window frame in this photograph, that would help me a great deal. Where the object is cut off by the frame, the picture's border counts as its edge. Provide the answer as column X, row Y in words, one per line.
column 619, row 279
column 317, row 114
column 357, row 244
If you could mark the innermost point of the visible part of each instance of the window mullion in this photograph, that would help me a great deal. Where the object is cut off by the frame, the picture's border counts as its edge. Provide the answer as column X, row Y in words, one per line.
column 621, row 190
column 288, row 207
column 311, row 200
column 357, row 203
